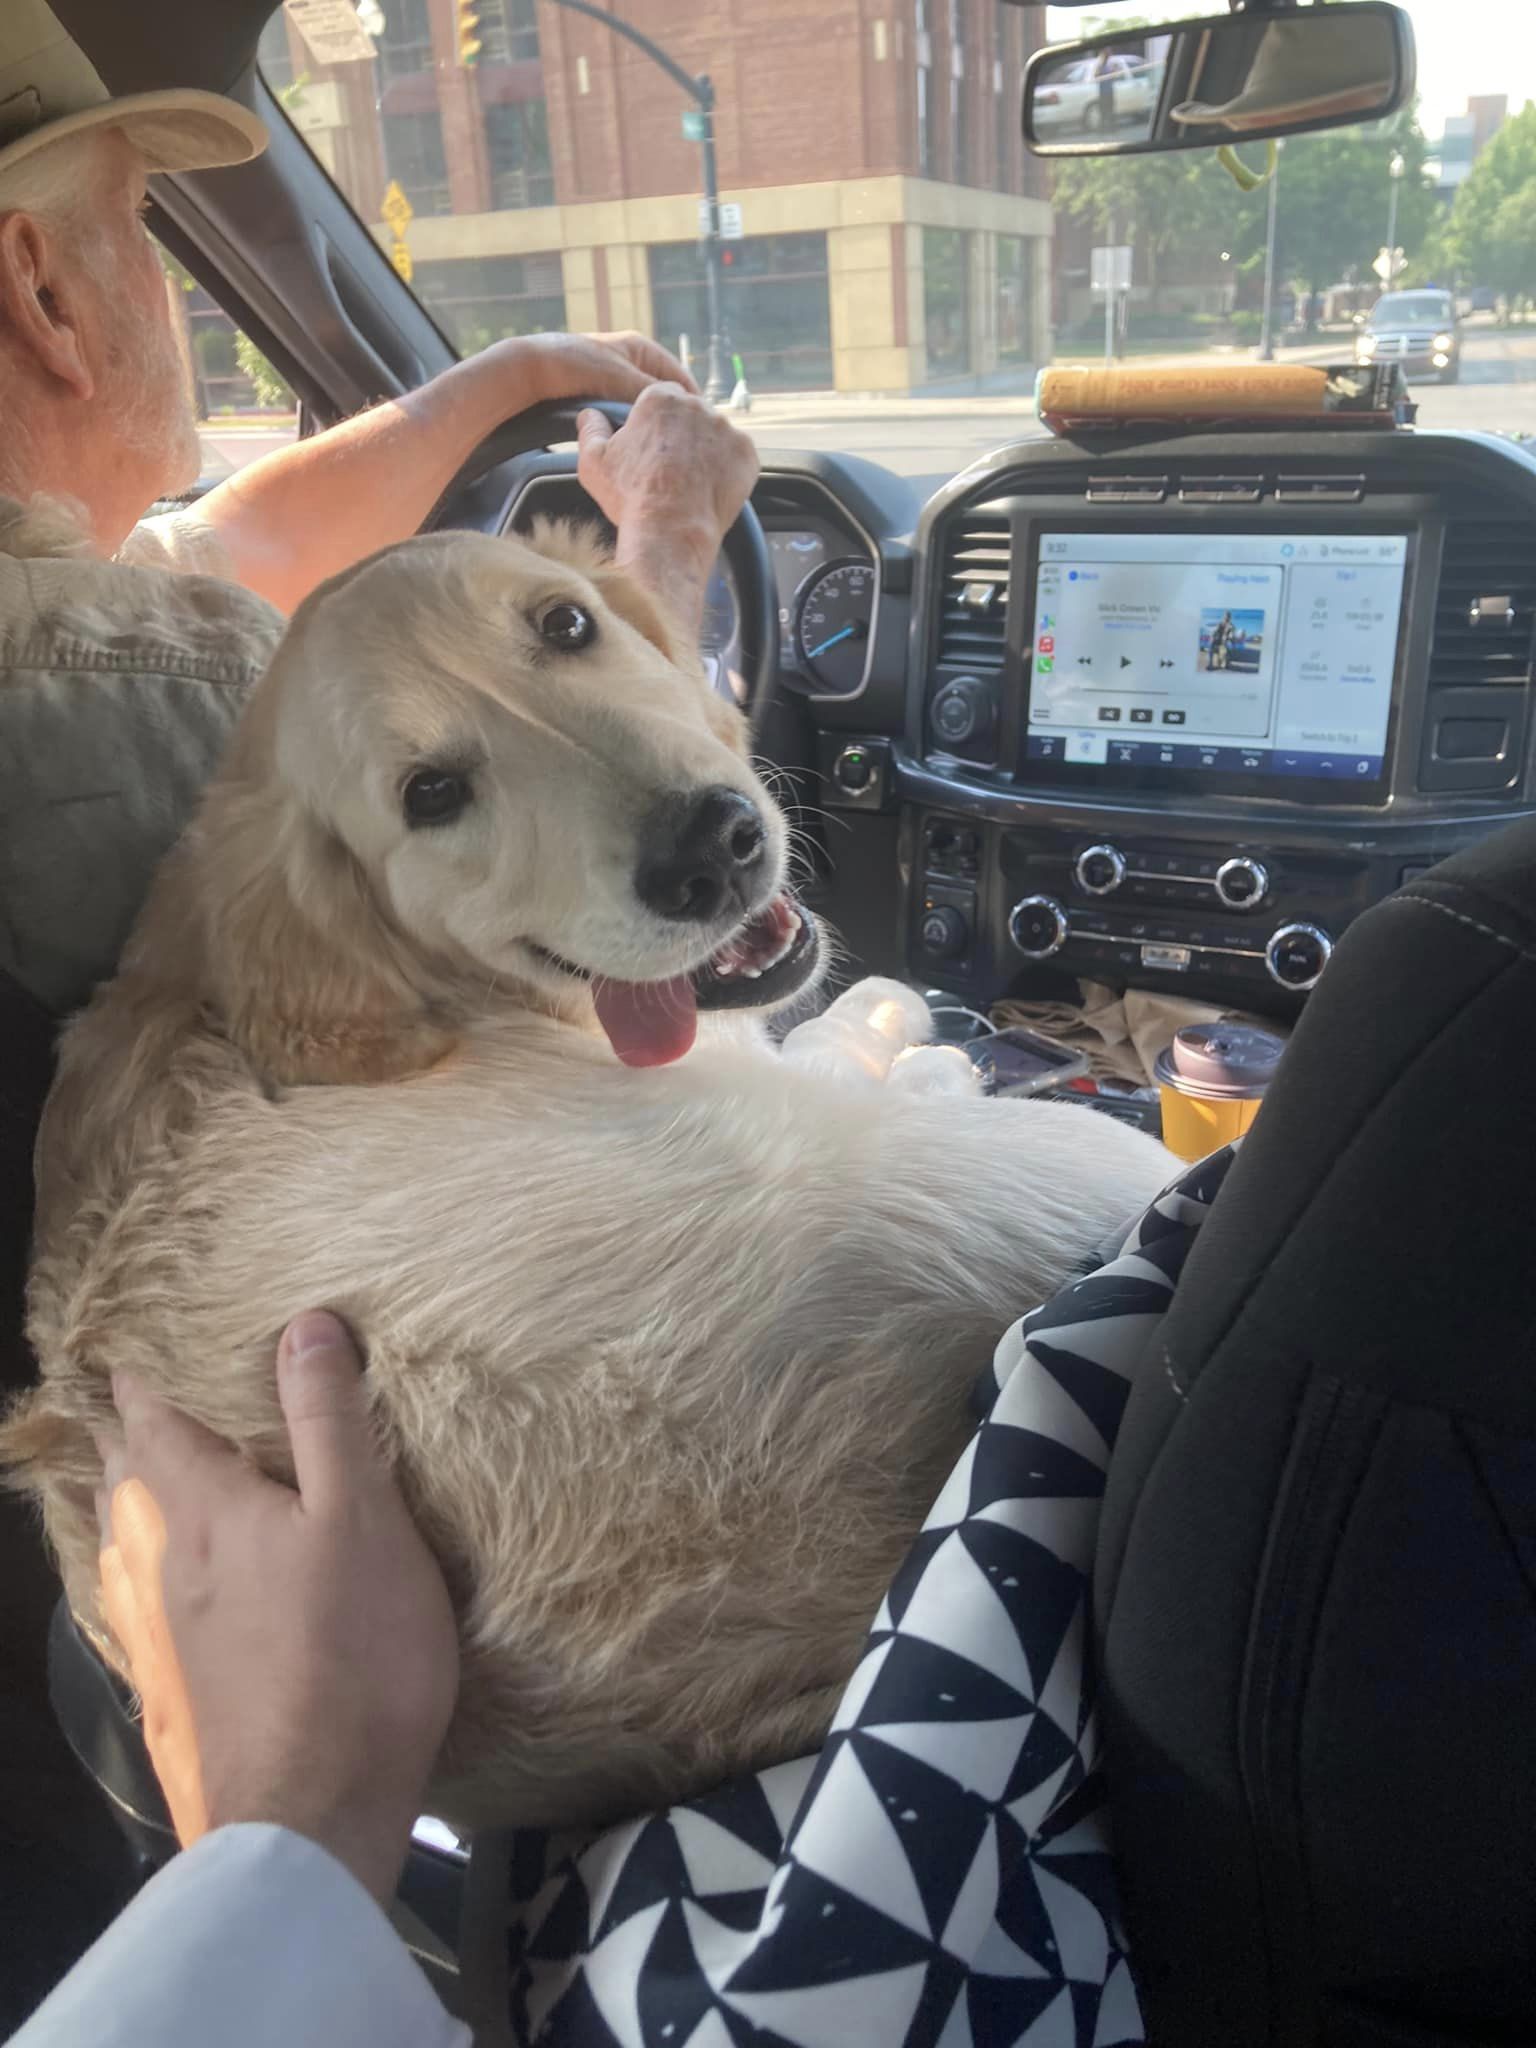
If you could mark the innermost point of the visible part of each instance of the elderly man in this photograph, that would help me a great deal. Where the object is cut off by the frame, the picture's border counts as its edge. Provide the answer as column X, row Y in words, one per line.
column 126, row 649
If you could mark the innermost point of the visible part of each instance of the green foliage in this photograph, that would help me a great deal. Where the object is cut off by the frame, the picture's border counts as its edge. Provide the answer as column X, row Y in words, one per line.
column 272, row 394
column 1490, row 237
column 1334, row 198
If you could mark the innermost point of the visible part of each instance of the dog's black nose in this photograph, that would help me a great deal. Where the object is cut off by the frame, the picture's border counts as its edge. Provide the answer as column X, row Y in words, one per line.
column 709, row 862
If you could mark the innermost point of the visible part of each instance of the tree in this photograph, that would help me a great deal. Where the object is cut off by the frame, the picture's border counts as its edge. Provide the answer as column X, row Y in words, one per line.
column 1490, row 237
column 1335, row 196
column 1335, row 199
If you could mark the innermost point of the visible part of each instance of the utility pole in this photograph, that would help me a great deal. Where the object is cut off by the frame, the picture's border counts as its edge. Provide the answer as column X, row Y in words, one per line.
column 702, row 92
column 1267, row 324
column 1395, row 171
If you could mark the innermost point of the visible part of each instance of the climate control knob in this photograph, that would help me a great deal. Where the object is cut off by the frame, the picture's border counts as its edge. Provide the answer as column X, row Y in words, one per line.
column 1240, row 883
column 1296, row 956
column 1100, row 870
column 962, row 711
column 1038, row 927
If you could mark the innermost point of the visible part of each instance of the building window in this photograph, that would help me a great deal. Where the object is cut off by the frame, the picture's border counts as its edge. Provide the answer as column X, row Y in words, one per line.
column 957, row 122
column 923, row 50
column 405, row 48
column 1003, row 104
column 509, row 31
column 478, row 300
column 776, row 304
column 947, row 301
column 413, row 151
column 517, row 150
column 1015, row 300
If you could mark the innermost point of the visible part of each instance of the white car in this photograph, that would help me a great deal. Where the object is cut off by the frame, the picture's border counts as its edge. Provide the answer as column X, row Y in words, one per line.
column 1111, row 90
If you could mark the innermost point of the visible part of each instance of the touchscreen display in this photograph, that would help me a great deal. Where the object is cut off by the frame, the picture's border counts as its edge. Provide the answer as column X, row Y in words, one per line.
column 1226, row 655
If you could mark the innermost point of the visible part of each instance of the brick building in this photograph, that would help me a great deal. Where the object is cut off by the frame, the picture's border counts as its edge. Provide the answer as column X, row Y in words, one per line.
column 895, row 232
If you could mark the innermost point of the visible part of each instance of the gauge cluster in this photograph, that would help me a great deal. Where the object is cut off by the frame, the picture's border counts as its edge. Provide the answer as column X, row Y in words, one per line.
column 828, row 588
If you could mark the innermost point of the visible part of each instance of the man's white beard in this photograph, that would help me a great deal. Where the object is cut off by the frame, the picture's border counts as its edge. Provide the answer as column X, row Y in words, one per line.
column 153, row 409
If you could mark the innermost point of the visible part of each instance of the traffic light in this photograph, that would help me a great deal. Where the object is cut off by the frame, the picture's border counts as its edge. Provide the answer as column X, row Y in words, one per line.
column 467, row 29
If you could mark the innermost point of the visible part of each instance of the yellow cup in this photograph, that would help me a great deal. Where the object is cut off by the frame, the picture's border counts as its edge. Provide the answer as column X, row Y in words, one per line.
column 1212, row 1081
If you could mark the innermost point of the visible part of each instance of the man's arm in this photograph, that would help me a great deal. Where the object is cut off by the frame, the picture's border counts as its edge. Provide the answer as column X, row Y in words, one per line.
column 304, row 513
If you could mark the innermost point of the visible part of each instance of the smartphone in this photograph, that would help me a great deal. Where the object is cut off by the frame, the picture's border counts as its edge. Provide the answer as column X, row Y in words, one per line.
column 1023, row 1062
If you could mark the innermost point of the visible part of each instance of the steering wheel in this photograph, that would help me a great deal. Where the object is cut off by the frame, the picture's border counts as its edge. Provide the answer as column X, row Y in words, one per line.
column 519, row 443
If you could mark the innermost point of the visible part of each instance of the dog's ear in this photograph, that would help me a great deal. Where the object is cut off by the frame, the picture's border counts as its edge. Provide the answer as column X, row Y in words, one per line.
column 303, row 971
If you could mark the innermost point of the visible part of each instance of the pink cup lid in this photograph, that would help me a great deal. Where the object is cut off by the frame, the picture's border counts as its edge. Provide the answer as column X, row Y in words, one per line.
column 1226, row 1062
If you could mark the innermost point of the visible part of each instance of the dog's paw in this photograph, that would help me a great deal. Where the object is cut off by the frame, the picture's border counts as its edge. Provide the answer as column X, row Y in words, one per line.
column 859, row 1034
column 890, row 1009
column 934, row 1070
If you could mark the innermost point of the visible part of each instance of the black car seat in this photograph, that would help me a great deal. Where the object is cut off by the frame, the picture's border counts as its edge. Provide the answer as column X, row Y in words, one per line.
column 65, row 1870
column 1316, row 1576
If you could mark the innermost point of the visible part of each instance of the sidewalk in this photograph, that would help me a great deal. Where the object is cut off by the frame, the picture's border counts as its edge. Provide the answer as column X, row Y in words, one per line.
column 791, row 407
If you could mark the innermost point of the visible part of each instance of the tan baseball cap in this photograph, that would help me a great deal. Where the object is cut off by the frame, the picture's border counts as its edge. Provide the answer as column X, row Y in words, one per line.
column 49, row 89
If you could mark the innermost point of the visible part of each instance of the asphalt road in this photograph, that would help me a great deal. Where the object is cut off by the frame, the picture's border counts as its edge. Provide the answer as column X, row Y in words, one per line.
column 930, row 439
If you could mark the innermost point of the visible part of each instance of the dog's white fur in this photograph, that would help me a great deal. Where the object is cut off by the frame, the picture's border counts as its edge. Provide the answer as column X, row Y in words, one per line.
column 672, row 1360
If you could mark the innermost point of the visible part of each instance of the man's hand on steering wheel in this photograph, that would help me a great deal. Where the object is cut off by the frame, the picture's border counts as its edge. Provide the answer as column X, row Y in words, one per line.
column 671, row 481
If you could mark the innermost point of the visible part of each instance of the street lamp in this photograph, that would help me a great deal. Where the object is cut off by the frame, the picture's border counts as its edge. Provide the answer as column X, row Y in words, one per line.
column 701, row 128
column 1395, row 171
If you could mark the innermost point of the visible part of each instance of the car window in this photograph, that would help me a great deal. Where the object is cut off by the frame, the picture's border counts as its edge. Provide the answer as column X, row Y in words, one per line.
column 1411, row 306
column 244, row 409
column 894, row 268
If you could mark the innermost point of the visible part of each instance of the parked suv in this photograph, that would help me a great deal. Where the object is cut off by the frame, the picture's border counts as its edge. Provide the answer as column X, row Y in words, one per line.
column 1420, row 330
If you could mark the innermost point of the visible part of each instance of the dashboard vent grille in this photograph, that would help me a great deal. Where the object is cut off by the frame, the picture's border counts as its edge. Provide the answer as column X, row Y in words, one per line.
column 1484, row 565
column 973, row 614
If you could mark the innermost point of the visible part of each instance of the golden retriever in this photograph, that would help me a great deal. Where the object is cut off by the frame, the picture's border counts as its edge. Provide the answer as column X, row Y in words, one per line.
column 673, row 1351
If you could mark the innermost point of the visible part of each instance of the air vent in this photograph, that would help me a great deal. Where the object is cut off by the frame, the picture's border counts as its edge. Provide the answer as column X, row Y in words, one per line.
column 1486, row 609
column 973, row 615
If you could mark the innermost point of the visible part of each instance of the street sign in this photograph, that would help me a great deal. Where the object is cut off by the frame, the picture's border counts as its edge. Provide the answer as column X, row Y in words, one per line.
column 1389, row 263
column 331, row 31
column 695, row 124
column 400, row 256
column 1110, row 269
column 730, row 220
column 396, row 208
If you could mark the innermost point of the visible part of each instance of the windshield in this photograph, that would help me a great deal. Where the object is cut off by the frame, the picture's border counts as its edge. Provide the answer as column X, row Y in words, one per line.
column 1410, row 308
column 894, row 267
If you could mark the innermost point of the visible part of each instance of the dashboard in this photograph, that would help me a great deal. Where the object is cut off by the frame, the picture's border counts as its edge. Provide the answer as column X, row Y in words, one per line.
column 1170, row 713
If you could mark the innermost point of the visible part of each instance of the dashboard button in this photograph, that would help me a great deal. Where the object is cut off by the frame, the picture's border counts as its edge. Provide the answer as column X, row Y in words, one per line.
column 1242, row 882
column 1038, row 927
column 962, row 710
column 1100, row 870
column 854, row 769
column 944, row 933
column 1297, row 954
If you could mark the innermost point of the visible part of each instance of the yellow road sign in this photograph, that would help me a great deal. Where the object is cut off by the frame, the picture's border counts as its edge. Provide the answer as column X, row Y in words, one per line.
column 400, row 256
column 396, row 208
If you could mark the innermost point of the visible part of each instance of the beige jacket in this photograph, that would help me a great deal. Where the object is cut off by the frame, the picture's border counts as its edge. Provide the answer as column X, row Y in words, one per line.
column 119, row 683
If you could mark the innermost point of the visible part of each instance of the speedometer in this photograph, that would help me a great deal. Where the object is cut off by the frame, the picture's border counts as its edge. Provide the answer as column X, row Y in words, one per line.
column 832, row 628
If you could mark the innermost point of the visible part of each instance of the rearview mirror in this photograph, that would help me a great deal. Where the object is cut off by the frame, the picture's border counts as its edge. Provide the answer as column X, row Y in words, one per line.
column 1227, row 78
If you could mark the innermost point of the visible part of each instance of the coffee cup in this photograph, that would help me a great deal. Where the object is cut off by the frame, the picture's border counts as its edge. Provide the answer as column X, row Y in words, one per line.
column 1212, row 1080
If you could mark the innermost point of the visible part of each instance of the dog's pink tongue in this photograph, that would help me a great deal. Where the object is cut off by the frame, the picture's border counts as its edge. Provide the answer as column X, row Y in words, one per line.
column 649, row 1023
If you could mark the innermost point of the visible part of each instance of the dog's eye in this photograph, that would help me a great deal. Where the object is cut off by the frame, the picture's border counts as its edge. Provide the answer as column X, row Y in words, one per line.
column 567, row 627
column 433, row 797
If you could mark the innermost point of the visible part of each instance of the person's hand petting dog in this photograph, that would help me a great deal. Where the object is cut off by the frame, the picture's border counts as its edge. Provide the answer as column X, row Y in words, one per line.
column 295, row 1651
column 671, row 480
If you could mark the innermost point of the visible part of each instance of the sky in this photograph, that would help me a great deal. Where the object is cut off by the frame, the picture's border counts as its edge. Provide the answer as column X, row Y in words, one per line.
column 1464, row 46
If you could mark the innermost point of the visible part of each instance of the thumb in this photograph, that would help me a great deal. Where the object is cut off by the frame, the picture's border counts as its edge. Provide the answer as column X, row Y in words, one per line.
column 593, row 433
column 320, row 1384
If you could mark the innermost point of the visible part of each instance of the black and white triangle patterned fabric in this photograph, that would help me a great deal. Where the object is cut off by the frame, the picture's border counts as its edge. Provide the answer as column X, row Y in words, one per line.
column 939, row 1876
